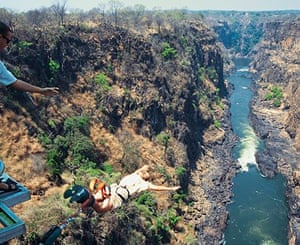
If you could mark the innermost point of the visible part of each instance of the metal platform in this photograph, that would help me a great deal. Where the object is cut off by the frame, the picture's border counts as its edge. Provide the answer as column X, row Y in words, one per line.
column 12, row 198
column 11, row 225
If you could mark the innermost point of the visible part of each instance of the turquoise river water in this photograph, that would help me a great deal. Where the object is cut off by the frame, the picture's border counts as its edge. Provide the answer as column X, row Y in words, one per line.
column 258, row 214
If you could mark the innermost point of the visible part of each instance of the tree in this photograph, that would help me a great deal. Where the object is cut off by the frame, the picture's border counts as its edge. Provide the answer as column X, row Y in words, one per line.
column 8, row 17
column 36, row 17
column 60, row 11
column 138, row 11
column 102, row 7
column 115, row 6
column 159, row 21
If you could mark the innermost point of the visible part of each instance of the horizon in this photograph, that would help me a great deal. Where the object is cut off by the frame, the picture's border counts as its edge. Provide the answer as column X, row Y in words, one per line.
column 214, row 5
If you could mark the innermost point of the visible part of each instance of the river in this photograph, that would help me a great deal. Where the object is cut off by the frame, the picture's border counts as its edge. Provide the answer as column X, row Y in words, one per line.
column 258, row 214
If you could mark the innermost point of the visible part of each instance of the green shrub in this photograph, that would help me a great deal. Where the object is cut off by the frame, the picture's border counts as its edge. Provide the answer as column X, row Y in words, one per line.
column 71, row 149
column 209, row 72
column 53, row 66
column 277, row 91
column 108, row 168
column 163, row 139
column 168, row 52
column 217, row 124
column 172, row 217
column 161, row 230
column 212, row 73
column 275, row 94
column 277, row 102
column 22, row 45
column 77, row 123
column 102, row 80
column 183, row 41
column 57, row 154
column 146, row 198
column 161, row 225
column 82, row 145
column 269, row 96
column 179, row 197
column 180, row 171
column 202, row 73
column 44, row 139
column 51, row 123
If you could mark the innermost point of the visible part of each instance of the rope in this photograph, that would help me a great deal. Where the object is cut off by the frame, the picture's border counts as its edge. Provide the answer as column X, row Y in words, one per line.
column 54, row 232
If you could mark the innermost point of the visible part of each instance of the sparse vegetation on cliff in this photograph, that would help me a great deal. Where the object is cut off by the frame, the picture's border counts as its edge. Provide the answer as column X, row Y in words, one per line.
column 130, row 96
column 275, row 95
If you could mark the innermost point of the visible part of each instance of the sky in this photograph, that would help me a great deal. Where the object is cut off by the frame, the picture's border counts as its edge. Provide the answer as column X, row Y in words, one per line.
column 244, row 5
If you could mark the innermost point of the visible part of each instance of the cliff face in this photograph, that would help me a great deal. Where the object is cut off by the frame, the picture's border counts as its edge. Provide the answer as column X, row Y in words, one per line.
column 276, row 64
column 134, row 88
column 238, row 31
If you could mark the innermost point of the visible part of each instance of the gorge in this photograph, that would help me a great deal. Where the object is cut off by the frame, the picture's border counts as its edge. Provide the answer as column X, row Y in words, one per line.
column 258, row 214
column 148, row 90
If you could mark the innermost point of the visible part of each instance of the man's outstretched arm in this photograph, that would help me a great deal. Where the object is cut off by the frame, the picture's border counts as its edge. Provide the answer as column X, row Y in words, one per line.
column 153, row 187
column 24, row 86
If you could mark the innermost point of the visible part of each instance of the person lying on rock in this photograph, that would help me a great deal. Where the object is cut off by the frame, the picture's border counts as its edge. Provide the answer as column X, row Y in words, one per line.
column 104, row 198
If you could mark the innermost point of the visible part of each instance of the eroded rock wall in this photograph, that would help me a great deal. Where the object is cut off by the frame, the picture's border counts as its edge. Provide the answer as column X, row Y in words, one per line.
column 277, row 64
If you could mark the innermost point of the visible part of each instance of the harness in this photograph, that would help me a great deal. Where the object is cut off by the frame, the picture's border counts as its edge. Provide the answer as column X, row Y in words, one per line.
column 97, row 185
column 123, row 193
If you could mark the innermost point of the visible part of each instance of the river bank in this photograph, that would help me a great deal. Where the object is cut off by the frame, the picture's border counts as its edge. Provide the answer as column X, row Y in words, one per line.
column 212, row 183
column 279, row 154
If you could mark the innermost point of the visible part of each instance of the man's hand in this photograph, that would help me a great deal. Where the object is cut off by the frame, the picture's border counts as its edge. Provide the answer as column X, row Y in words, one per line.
column 50, row 91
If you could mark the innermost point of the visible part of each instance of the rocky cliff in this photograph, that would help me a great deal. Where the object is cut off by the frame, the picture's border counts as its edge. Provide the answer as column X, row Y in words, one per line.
column 276, row 114
column 271, row 40
column 156, row 98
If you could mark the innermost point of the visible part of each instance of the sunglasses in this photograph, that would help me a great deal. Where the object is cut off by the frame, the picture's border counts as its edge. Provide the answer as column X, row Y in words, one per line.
column 7, row 39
